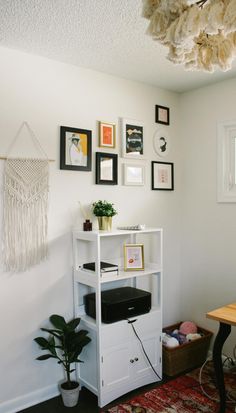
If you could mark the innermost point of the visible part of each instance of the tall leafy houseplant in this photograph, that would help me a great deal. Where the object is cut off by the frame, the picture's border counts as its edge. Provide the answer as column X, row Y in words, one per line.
column 64, row 344
column 104, row 211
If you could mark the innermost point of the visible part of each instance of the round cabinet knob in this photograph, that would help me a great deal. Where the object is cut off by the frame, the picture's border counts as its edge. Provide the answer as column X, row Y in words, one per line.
column 136, row 359
column 131, row 361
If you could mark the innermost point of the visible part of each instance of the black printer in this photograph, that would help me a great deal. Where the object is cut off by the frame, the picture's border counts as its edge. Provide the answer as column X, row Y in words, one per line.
column 119, row 303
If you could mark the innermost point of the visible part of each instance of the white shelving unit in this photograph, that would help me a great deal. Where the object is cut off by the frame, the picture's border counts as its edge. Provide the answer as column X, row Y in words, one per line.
column 114, row 361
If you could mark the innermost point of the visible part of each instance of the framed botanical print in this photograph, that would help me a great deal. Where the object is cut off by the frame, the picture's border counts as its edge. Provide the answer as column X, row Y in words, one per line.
column 132, row 138
column 163, row 176
column 106, row 168
column 107, row 134
column 75, row 149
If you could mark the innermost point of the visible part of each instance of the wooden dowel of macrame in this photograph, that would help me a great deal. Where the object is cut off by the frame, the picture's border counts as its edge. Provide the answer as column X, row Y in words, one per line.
column 3, row 158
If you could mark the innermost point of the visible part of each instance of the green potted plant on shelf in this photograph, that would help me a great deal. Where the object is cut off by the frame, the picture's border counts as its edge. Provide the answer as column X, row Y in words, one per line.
column 64, row 344
column 104, row 211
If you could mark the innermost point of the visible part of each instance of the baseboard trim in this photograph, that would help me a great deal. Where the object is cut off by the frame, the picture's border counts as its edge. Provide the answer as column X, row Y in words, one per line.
column 30, row 399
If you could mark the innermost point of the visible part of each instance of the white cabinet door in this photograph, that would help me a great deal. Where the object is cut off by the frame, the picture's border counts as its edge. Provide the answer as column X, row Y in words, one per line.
column 128, row 362
column 115, row 367
column 140, row 364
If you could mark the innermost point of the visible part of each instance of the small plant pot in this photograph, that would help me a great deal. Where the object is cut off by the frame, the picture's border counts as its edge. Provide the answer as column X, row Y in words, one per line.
column 105, row 223
column 70, row 396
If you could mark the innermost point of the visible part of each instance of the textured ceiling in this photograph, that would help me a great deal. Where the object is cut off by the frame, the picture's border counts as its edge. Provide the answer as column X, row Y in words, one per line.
column 104, row 35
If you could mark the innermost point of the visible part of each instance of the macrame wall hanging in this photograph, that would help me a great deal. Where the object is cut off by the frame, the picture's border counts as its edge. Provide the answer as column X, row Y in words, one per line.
column 25, row 207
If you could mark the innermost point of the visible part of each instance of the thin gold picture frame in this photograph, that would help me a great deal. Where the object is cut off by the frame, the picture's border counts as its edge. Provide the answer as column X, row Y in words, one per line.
column 107, row 134
column 133, row 257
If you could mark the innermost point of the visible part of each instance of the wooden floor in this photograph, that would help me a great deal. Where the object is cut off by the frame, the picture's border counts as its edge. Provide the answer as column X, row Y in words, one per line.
column 87, row 402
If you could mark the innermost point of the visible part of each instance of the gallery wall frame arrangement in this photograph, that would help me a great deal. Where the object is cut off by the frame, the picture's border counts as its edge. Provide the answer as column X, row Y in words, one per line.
column 162, row 115
column 162, row 175
column 107, row 134
column 106, row 168
column 134, row 174
column 132, row 138
column 161, row 142
column 75, row 149
column 133, row 257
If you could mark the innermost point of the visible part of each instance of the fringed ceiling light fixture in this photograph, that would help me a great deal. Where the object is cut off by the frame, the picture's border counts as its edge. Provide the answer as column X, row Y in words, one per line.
column 201, row 35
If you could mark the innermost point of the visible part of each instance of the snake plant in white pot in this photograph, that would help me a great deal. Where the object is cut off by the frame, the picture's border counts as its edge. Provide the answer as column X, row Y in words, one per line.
column 64, row 344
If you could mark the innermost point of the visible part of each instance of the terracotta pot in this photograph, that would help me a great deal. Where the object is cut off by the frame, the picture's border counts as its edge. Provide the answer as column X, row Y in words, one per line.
column 105, row 223
column 70, row 397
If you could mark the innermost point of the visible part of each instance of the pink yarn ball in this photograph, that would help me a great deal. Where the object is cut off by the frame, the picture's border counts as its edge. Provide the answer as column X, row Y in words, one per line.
column 188, row 327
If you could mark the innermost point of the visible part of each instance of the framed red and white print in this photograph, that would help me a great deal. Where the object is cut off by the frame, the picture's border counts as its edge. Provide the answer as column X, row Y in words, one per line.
column 107, row 134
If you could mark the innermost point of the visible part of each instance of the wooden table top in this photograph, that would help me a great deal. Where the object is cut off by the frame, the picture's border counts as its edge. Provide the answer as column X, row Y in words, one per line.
column 226, row 314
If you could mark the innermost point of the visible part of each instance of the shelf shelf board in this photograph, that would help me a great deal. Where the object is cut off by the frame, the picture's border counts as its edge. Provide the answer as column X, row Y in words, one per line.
column 90, row 278
column 122, row 275
column 91, row 322
column 92, row 235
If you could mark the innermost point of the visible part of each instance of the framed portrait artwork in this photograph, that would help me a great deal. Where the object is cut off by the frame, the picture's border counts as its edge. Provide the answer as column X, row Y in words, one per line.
column 106, row 168
column 163, row 176
column 161, row 142
column 75, row 149
column 162, row 115
column 133, row 257
column 134, row 174
column 132, row 138
column 107, row 134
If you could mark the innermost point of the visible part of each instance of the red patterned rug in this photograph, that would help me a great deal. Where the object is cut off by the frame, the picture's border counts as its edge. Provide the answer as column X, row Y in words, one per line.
column 183, row 395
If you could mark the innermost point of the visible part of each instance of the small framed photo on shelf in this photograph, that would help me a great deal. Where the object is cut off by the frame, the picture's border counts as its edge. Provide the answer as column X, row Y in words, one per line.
column 162, row 115
column 163, row 176
column 132, row 138
column 133, row 257
column 107, row 134
column 106, row 168
column 75, row 149
column 134, row 174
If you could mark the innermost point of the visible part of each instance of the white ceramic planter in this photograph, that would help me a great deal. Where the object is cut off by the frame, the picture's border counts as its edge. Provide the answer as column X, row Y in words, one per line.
column 70, row 397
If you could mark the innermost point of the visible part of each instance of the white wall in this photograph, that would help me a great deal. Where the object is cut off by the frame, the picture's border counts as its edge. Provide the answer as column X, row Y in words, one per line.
column 48, row 94
column 208, row 231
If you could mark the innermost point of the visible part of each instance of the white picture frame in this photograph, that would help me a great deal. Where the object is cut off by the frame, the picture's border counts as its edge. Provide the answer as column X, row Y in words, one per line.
column 134, row 174
column 132, row 138
column 161, row 142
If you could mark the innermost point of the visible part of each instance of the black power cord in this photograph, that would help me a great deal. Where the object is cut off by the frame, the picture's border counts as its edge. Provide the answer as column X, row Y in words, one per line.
column 144, row 351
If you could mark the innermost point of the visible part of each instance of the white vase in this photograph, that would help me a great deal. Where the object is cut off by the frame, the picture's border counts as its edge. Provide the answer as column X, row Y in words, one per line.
column 70, row 397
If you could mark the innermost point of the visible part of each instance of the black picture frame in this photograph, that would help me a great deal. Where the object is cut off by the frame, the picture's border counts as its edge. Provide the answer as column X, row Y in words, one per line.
column 106, row 168
column 162, row 115
column 162, row 176
column 75, row 149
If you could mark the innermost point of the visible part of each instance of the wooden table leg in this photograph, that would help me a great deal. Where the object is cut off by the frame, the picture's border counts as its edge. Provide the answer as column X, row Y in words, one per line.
column 223, row 333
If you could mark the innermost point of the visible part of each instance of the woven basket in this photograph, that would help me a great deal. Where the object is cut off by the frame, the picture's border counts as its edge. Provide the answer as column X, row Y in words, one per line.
column 186, row 356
